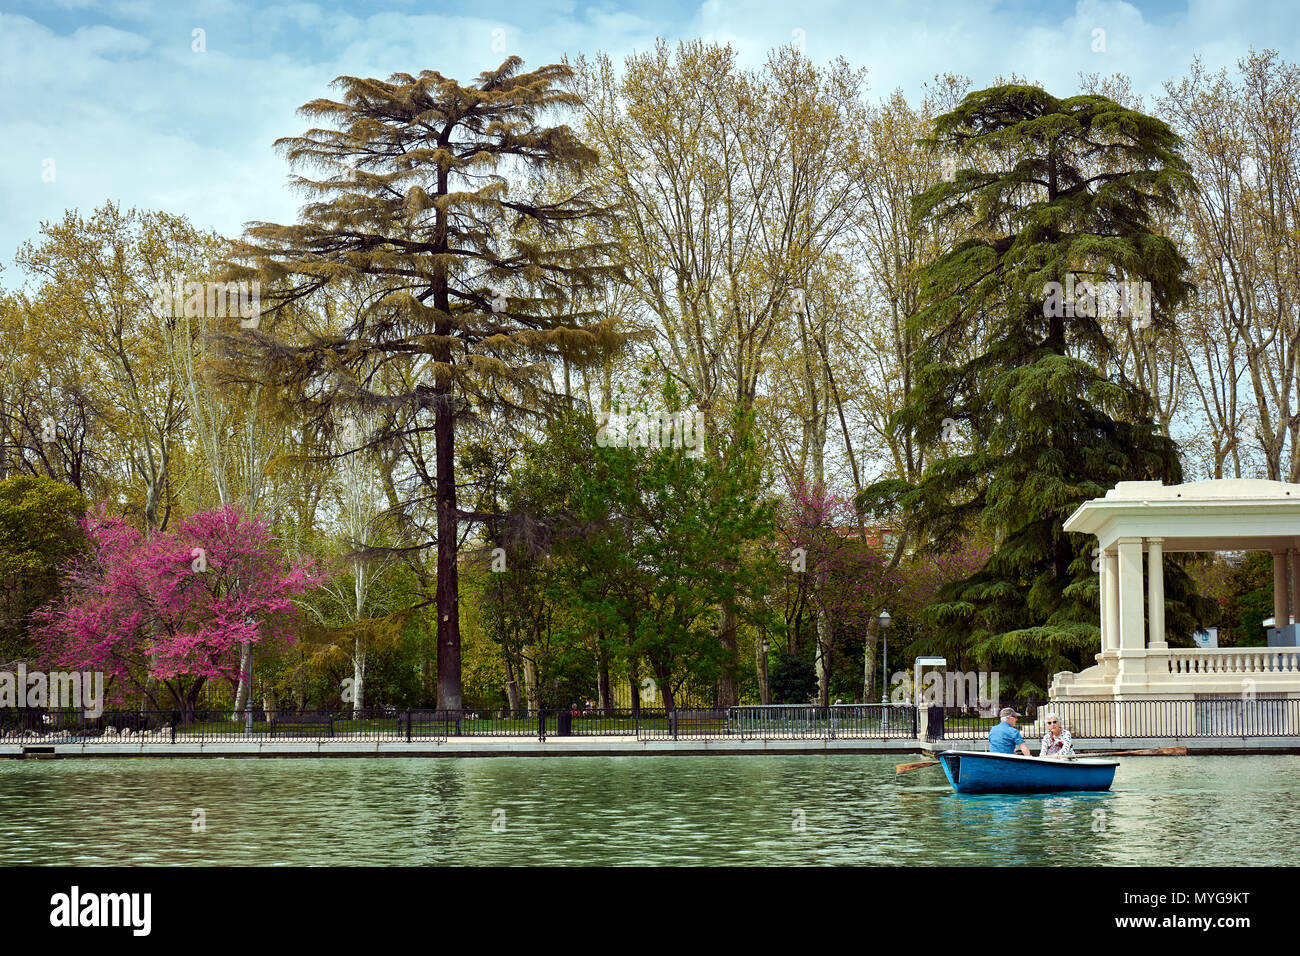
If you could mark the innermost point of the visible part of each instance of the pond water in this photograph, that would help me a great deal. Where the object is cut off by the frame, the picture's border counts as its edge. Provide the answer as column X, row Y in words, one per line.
column 815, row 810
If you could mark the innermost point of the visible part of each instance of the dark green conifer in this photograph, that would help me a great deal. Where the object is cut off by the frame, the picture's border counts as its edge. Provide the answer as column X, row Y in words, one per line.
column 1047, row 191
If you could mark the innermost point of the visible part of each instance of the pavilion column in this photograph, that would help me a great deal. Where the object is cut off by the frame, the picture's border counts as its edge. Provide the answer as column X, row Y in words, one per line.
column 1280, row 609
column 1110, row 600
column 1131, row 631
column 1295, row 591
column 1156, row 593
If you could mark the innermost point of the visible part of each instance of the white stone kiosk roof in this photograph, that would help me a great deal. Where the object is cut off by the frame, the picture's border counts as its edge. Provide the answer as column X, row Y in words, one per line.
column 1135, row 524
column 1229, row 514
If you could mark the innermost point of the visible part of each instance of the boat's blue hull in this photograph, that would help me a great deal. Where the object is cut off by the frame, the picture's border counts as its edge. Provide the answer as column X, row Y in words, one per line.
column 972, row 772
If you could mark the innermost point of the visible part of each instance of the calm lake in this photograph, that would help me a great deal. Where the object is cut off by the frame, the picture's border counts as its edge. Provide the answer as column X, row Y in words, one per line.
column 814, row 810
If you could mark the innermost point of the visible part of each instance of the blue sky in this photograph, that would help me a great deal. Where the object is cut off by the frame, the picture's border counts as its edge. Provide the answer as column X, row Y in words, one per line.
column 113, row 100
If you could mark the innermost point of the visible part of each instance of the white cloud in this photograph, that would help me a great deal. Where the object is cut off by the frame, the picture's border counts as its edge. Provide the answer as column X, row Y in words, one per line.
column 117, row 98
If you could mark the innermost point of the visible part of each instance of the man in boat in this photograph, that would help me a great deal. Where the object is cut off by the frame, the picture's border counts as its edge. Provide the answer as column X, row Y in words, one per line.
column 1057, row 741
column 1004, row 738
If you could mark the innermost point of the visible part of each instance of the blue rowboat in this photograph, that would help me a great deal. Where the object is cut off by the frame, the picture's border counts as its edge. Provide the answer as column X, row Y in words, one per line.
column 977, row 772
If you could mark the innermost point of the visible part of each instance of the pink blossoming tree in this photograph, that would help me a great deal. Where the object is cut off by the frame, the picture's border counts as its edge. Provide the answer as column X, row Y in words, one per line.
column 847, row 579
column 171, row 611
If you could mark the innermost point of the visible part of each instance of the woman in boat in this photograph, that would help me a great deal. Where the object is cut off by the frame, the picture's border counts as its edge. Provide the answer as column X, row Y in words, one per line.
column 1057, row 741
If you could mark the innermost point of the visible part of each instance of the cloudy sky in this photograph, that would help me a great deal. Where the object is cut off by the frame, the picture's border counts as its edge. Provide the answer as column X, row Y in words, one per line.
column 174, row 105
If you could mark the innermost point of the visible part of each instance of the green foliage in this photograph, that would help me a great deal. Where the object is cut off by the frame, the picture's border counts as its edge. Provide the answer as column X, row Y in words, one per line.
column 619, row 558
column 399, row 648
column 39, row 531
column 793, row 680
column 1251, row 584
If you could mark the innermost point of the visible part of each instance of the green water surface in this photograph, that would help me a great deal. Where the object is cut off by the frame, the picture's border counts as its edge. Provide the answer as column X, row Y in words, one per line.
column 800, row 810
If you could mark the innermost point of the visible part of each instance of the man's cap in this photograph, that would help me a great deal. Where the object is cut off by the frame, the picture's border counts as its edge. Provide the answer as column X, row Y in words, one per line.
column 1010, row 712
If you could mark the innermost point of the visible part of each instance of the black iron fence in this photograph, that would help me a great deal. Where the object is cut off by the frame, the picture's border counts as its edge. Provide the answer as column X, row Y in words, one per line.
column 1209, row 716
column 881, row 721
column 560, row 722
column 370, row 724
column 1203, row 716
column 960, row 723
column 790, row 721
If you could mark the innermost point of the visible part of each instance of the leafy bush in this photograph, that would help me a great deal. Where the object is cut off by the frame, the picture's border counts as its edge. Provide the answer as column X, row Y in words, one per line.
column 793, row 680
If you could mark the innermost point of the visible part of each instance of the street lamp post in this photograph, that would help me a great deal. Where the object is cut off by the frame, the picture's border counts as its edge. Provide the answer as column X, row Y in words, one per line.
column 248, row 685
column 884, row 620
column 767, row 690
column 716, row 688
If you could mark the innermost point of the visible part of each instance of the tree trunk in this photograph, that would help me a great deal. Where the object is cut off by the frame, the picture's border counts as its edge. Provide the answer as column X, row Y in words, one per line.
column 188, row 702
column 512, row 686
column 728, row 689
column 242, row 692
column 823, row 658
column 530, row 679
column 512, row 697
column 606, row 699
column 449, row 690
column 150, row 689
column 664, row 680
column 444, row 435
column 869, row 670
column 358, row 681
column 300, row 690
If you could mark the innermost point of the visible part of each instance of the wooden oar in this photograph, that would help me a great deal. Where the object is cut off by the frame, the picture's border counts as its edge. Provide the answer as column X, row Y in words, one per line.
column 905, row 767
column 1155, row 752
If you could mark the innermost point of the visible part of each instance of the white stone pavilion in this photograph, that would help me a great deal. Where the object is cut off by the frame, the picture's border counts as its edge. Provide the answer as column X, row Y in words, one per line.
column 1138, row 518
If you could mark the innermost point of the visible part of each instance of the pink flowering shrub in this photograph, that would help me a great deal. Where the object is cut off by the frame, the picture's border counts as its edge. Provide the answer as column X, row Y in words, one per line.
column 178, row 606
column 846, row 572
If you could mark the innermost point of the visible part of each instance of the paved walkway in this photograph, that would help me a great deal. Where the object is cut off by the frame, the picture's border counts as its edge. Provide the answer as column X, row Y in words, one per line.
column 592, row 746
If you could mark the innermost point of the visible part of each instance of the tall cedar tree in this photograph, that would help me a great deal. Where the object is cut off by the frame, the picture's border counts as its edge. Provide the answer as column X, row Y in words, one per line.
column 1063, row 186
column 472, row 277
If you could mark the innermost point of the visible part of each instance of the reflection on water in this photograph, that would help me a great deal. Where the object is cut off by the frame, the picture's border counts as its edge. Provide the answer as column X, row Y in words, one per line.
column 634, row 810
